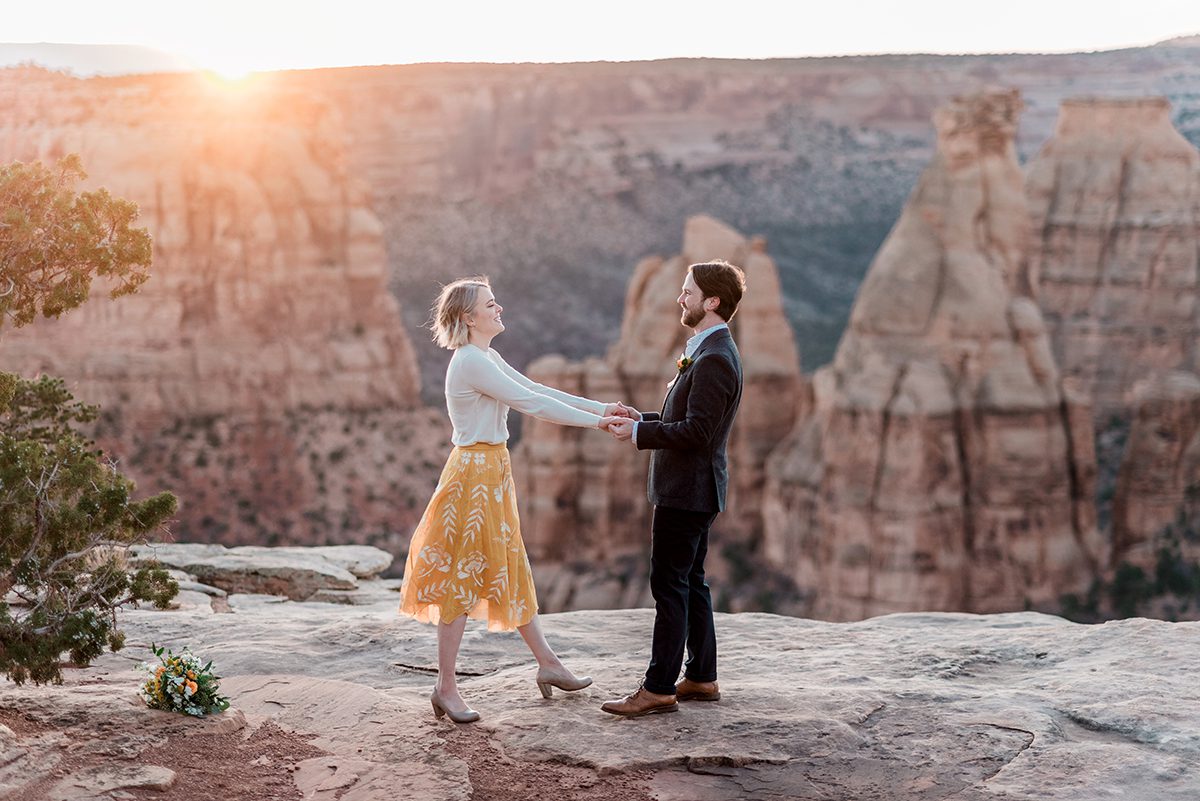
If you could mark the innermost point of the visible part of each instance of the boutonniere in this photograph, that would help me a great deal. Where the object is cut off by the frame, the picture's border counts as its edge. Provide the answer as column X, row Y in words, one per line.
column 682, row 363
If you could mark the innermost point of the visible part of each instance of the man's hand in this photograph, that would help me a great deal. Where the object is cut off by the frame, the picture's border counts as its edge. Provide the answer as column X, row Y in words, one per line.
column 627, row 411
column 619, row 409
column 607, row 422
column 621, row 428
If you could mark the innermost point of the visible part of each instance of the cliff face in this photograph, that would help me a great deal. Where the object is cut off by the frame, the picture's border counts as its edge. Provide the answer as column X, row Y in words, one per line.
column 1115, row 198
column 553, row 179
column 268, row 308
column 1160, row 471
column 582, row 498
column 944, row 465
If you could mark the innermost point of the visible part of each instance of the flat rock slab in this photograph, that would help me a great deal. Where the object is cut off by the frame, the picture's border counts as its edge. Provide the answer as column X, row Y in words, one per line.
column 916, row 706
column 97, row 781
column 297, row 573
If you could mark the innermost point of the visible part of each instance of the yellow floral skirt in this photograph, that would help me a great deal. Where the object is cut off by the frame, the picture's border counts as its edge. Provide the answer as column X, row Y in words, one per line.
column 467, row 556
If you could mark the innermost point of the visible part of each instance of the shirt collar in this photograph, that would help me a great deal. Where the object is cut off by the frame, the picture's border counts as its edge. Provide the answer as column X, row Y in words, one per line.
column 694, row 342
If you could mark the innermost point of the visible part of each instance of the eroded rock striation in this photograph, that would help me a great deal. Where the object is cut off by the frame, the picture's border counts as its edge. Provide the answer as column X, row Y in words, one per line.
column 944, row 465
column 1159, row 477
column 267, row 311
column 584, row 498
column 1115, row 262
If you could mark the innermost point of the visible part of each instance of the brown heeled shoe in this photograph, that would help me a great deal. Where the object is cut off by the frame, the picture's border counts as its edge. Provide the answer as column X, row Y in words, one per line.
column 547, row 679
column 439, row 709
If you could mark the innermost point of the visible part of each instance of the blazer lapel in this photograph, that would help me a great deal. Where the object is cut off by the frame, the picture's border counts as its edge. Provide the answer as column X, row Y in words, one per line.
column 707, row 344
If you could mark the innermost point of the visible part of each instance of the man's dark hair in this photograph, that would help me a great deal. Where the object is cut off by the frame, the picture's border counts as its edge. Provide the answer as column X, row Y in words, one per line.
column 720, row 279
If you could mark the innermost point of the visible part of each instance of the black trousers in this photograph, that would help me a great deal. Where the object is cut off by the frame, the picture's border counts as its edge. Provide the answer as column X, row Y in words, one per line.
column 683, row 614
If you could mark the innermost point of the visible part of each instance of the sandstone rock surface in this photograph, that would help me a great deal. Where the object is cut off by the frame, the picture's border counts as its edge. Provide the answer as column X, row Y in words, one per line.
column 1115, row 198
column 298, row 573
column 944, row 465
column 330, row 701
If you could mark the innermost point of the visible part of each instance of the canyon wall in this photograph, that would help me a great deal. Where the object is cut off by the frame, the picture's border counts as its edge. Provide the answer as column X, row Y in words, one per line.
column 1157, row 493
column 553, row 179
column 944, row 465
column 1115, row 264
column 266, row 374
column 263, row 372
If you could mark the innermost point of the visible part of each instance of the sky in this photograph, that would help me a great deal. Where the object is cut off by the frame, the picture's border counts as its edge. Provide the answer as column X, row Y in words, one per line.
column 234, row 37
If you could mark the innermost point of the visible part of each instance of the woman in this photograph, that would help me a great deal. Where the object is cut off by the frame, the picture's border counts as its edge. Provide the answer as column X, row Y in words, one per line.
column 467, row 557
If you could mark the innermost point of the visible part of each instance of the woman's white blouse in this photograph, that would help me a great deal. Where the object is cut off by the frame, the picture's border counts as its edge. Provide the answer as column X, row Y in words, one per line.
column 481, row 386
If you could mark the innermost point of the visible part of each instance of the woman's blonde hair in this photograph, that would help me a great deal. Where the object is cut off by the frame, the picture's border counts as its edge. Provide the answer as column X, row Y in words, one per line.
column 455, row 300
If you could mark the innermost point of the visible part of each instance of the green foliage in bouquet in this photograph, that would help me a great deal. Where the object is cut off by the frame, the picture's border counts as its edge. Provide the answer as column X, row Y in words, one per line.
column 179, row 683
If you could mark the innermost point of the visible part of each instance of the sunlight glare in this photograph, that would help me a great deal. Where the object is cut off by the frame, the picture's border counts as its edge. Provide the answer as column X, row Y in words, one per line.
column 231, row 82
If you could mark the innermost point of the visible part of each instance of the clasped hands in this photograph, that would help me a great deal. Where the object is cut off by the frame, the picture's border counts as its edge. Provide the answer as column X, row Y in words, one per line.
column 618, row 420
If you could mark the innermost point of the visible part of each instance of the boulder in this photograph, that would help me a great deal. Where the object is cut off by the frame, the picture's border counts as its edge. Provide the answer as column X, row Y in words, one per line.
column 298, row 573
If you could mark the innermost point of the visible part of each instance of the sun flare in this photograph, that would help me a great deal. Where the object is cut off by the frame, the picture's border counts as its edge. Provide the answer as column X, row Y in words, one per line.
column 231, row 83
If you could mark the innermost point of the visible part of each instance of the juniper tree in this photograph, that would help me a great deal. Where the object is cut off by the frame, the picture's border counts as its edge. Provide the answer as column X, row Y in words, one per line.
column 54, row 240
column 67, row 516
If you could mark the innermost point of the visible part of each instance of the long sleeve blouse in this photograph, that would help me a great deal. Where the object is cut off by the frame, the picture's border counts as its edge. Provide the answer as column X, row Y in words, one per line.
column 481, row 387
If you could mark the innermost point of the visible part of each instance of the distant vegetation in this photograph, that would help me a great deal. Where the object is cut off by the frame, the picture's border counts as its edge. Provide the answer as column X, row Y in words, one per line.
column 1171, row 591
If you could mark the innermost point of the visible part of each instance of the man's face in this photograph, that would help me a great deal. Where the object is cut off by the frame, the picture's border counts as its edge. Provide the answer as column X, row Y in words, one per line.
column 692, row 301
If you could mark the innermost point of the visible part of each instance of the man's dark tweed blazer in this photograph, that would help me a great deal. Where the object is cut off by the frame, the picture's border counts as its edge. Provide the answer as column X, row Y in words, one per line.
column 688, row 469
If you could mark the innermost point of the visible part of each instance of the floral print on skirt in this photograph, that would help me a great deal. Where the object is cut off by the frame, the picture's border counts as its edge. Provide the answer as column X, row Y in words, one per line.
column 466, row 555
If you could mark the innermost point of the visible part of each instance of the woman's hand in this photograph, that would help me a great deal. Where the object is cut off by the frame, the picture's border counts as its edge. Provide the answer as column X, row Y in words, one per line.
column 607, row 421
column 619, row 409
column 627, row 411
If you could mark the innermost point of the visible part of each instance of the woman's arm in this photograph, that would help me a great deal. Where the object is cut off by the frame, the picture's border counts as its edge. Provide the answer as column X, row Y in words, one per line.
column 588, row 405
column 487, row 378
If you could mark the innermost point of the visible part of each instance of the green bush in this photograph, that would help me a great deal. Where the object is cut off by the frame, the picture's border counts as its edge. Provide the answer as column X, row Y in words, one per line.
column 67, row 517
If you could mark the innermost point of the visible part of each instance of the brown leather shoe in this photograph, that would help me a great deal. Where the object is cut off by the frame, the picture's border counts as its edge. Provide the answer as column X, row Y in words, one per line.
column 641, row 702
column 688, row 690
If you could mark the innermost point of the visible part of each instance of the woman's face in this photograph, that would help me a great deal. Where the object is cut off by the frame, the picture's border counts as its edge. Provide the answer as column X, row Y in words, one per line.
column 485, row 317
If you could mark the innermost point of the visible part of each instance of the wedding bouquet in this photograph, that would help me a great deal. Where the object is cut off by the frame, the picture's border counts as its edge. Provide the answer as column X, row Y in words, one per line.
column 181, row 684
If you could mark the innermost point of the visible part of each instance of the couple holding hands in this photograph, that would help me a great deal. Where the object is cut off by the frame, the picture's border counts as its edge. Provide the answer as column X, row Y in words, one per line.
column 467, row 558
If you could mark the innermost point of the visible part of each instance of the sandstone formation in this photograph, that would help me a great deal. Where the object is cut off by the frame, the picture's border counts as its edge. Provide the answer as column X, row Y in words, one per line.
column 331, row 702
column 299, row 573
column 585, row 500
column 1159, row 479
column 267, row 312
column 269, row 275
column 553, row 179
column 1115, row 265
column 944, row 465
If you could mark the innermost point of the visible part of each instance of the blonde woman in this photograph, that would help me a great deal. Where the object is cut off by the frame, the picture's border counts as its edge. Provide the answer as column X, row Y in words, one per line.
column 467, row 558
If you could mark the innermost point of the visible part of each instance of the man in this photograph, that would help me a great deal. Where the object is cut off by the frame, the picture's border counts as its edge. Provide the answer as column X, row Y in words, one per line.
column 688, row 478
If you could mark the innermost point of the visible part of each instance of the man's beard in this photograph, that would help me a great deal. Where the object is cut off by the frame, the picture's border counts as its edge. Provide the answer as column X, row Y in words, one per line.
column 692, row 317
